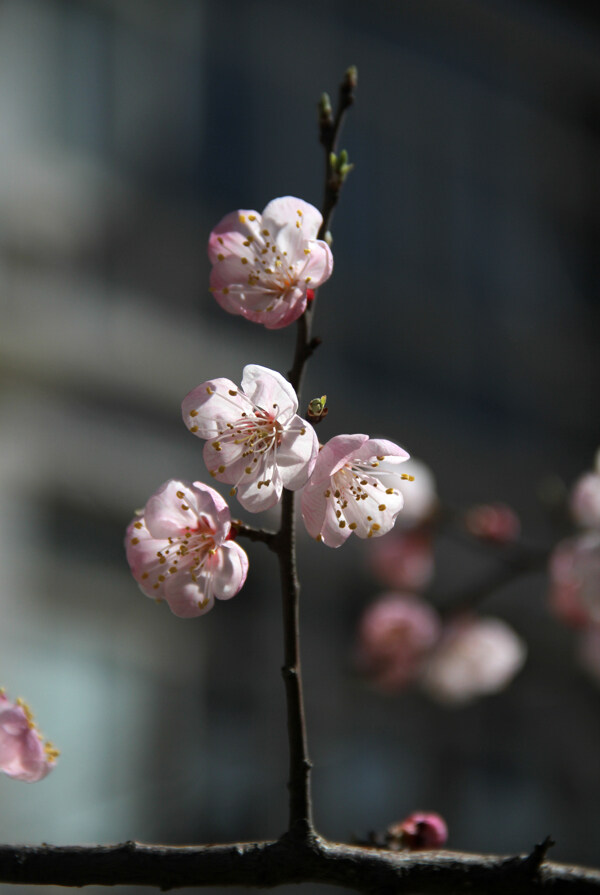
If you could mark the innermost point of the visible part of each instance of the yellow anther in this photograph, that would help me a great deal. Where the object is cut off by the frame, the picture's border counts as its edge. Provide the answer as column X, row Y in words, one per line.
column 342, row 524
column 135, row 540
column 193, row 428
column 407, row 478
column 244, row 260
column 221, row 469
column 251, row 217
column 242, row 219
column 232, row 392
column 352, row 525
column 389, row 490
column 180, row 495
column 193, row 413
column 209, row 391
column 220, row 256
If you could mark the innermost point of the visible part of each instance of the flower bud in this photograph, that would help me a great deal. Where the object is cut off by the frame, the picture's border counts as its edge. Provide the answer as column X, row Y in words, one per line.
column 420, row 830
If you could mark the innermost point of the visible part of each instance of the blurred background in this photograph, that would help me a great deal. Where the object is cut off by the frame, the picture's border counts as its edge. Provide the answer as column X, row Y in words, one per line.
column 462, row 321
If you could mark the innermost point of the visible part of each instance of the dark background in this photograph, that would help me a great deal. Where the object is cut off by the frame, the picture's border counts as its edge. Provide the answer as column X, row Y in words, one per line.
column 461, row 321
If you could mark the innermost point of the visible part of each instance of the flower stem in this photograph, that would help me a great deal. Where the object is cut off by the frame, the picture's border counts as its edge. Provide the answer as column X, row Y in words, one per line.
column 299, row 782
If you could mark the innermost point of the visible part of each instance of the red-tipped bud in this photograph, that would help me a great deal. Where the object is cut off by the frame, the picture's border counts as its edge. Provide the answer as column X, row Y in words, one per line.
column 420, row 830
column 310, row 294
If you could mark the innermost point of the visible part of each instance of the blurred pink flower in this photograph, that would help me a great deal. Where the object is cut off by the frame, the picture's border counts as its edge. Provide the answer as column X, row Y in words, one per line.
column 403, row 560
column 493, row 522
column 255, row 439
column 419, row 492
column 584, row 501
column 395, row 634
column 178, row 550
column 575, row 579
column 420, row 830
column 23, row 753
column 264, row 265
column 474, row 657
column 345, row 493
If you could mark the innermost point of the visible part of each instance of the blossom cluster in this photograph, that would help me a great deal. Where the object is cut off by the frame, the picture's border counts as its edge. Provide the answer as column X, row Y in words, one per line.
column 575, row 571
column 180, row 547
column 24, row 755
column 403, row 640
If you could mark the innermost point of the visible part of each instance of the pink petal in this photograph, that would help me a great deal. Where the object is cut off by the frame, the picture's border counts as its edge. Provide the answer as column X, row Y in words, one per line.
column 167, row 514
column 319, row 265
column 335, row 454
column 229, row 234
column 380, row 447
column 142, row 555
column 229, row 567
column 187, row 599
column 208, row 408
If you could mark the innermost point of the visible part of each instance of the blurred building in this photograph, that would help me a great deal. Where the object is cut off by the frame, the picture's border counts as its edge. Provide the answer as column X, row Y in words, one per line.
column 462, row 321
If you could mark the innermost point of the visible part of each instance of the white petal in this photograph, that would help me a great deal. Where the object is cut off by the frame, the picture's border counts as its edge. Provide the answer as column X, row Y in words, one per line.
column 208, row 408
column 297, row 453
column 284, row 210
column 269, row 390
column 255, row 496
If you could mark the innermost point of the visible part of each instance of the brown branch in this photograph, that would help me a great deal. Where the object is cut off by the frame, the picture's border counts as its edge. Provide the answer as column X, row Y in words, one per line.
column 288, row 860
column 299, row 783
column 243, row 530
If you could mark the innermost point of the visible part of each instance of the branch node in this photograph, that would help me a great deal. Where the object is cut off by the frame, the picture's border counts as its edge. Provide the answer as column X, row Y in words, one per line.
column 536, row 858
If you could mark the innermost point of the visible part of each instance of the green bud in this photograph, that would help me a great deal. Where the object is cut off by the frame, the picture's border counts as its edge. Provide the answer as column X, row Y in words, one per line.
column 351, row 76
column 325, row 109
column 333, row 160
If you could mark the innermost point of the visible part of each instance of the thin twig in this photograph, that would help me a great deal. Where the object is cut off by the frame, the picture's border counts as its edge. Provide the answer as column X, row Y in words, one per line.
column 243, row 530
column 300, row 813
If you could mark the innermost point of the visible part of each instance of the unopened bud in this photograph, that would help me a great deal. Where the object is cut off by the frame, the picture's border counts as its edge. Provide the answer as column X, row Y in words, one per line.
column 317, row 409
column 325, row 109
column 351, row 77
column 420, row 830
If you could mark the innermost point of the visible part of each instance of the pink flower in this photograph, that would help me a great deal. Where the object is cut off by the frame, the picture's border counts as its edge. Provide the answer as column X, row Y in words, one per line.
column 493, row 522
column 23, row 753
column 575, row 579
column 345, row 493
column 419, row 491
column 585, row 498
column 475, row 657
column 178, row 550
column 395, row 634
column 256, row 441
column 263, row 265
column 420, row 830
column 403, row 560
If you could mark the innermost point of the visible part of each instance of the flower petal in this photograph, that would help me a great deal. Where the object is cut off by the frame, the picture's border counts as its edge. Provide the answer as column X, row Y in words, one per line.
column 228, row 567
column 209, row 407
column 297, row 453
column 262, row 492
column 319, row 264
column 270, row 391
column 280, row 212
column 188, row 598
